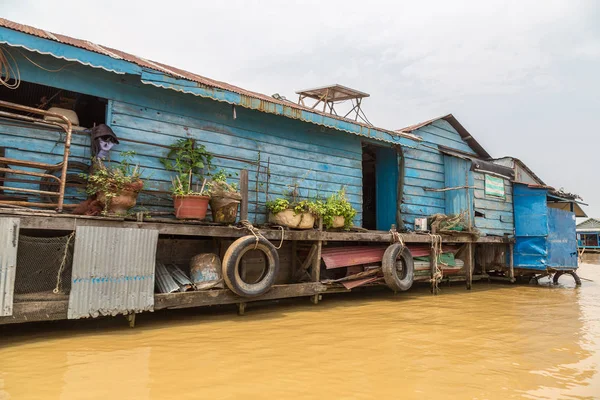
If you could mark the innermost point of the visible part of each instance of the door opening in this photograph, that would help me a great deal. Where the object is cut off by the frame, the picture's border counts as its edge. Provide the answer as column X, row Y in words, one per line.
column 380, row 186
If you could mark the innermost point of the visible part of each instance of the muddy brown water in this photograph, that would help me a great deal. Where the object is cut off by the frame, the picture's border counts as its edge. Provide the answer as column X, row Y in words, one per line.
column 497, row 341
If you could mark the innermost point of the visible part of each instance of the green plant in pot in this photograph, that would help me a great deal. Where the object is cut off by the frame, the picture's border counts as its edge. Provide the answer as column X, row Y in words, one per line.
column 117, row 185
column 293, row 213
column 337, row 211
column 225, row 198
column 189, row 160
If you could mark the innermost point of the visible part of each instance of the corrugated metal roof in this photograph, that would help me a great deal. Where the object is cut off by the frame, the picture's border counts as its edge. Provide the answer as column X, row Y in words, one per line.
column 179, row 73
column 113, row 271
column 464, row 134
column 9, row 234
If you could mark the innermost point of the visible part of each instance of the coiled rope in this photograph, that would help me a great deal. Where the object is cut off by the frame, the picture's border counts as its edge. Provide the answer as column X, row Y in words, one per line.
column 436, row 247
column 9, row 72
column 63, row 263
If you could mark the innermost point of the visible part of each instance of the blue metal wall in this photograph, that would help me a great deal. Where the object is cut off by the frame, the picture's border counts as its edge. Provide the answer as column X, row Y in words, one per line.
column 562, row 239
column 531, row 227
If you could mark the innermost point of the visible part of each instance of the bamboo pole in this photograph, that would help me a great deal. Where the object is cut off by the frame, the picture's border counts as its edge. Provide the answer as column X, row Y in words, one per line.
column 244, row 193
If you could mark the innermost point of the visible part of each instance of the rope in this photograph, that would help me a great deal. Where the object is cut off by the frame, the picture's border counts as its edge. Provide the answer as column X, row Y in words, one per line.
column 436, row 247
column 257, row 235
column 58, row 287
column 7, row 71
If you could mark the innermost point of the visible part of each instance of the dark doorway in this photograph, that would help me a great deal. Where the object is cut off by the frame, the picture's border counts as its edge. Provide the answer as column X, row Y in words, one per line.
column 369, row 186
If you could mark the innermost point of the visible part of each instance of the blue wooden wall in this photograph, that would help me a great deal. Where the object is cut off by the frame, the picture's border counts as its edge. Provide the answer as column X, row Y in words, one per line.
column 424, row 168
column 148, row 119
column 493, row 215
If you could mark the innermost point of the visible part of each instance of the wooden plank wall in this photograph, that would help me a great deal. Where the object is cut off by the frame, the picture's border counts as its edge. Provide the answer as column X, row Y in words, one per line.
column 498, row 215
column 148, row 119
column 424, row 168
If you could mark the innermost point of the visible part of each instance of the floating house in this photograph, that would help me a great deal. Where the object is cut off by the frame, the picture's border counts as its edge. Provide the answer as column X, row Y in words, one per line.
column 405, row 185
column 588, row 234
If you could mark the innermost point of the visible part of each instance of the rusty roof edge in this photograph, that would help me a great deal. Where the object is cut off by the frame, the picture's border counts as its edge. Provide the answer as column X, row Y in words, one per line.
column 252, row 103
column 122, row 63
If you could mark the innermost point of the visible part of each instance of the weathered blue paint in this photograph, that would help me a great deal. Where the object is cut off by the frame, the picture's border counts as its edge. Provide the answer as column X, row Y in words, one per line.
column 424, row 168
column 562, row 239
column 493, row 215
column 458, row 174
column 147, row 119
column 531, row 227
column 386, row 183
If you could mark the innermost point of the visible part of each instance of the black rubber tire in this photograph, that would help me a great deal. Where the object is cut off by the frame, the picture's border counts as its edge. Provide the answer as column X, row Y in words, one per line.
column 231, row 263
column 558, row 274
column 71, row 178
column 393, row 278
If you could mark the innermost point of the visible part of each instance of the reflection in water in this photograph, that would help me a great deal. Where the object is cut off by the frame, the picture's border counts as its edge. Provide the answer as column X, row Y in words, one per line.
column 497, row 341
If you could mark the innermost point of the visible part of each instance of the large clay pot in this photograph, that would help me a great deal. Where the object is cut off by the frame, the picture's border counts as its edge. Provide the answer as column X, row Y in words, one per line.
column 224, row 209
column 124, row 200
column 190, row 207
column 292, row 220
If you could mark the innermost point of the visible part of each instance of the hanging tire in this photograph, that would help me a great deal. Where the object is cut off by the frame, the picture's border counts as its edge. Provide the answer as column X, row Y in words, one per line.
column 558, row 274
column 396, row 256
column 231, row 266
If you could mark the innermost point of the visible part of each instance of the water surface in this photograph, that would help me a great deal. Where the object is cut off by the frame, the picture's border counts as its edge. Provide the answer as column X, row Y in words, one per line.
column 497, row 341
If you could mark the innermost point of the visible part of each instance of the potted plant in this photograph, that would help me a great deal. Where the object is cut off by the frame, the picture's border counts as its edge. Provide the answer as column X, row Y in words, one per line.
column 338, row 212
column 224, row 198
column 294, row 214
column 189, row 160
column 116, row 187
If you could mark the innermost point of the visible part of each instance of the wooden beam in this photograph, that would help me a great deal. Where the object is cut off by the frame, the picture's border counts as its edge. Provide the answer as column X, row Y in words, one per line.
column 35, row 311
column 511, row 249
column 469, row 265
column 316, row 267
column 225, row 296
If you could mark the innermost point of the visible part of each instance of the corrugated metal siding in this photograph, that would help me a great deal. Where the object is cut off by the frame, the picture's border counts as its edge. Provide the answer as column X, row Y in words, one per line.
column 531, row 227
column 9, row 238
column 562, row 239
column 424, row 168
column 113, row 271
column 498, row 217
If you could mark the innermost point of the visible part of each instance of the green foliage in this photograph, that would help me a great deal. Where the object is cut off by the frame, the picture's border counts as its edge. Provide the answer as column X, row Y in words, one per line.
column 338, row 205
column 315, row 207
column 189, row 160
column 218, row 183
column 113, row 179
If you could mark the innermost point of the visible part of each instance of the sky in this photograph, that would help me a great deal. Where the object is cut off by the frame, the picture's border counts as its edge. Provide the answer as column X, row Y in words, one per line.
column 522, row 76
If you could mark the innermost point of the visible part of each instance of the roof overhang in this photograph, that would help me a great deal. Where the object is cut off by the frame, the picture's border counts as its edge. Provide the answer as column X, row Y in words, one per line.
column 478, row 164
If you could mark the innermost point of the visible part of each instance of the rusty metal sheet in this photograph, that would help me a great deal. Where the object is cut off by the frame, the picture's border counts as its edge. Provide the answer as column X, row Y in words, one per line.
column 113, row 271
column 9, row 240
column 359, row 282
column 339, row 257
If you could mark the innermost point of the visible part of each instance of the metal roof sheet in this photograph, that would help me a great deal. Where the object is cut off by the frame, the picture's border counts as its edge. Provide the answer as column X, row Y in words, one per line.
column 179, row 73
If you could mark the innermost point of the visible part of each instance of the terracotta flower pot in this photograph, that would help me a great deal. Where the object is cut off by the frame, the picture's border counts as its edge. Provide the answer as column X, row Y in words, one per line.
column 190, row 207
column 124, row 200
column 292, row 220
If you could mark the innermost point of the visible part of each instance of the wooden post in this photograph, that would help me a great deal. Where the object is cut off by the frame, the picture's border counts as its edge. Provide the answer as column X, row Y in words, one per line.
column 469, row 265
column 511, row 249
column 316, row 267
column 294, row 258
column 244, row 193
column 241, row 308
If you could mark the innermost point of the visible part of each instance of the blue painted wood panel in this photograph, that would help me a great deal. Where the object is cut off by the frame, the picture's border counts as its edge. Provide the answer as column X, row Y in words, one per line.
column 493, row 215
column 458, row 174
column 148, row 119
column 424, row 168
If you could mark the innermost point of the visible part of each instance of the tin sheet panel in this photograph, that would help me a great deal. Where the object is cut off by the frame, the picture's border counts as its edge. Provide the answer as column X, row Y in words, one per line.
column 9, row 239
column 113, row 271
